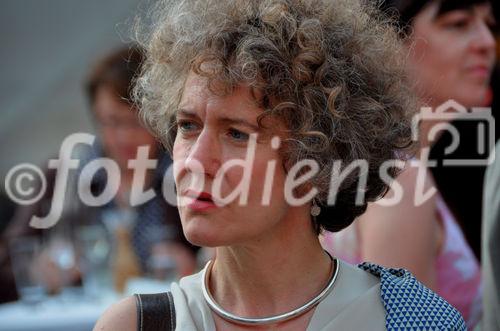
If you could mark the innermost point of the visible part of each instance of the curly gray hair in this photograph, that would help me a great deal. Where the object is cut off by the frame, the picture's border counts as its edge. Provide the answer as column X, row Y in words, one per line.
column 332, row 70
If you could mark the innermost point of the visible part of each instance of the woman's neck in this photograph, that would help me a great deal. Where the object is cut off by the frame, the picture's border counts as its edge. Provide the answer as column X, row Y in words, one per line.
column 271, row 275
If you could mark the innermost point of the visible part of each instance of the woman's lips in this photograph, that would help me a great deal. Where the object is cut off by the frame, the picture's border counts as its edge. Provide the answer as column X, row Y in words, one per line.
column 200, row 205
column 480, row 71
column 199, row 201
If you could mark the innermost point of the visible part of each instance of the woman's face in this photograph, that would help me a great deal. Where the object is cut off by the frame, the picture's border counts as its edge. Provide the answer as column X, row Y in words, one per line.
column 453, row 54
column 120, row 130
column 212, row 131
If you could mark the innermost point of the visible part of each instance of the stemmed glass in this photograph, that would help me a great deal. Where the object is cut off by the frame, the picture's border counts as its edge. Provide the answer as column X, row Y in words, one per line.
column 24, row 252
column 95, row 248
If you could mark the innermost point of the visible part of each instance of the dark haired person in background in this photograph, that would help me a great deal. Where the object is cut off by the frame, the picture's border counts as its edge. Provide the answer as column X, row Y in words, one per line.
column 451, row 181
column 109, row 91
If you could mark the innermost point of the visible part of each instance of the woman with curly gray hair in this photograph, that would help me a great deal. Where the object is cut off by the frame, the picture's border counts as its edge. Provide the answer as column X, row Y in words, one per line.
column 263, row 105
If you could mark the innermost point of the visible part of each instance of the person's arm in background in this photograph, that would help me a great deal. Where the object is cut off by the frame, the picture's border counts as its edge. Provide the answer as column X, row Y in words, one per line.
column 403, row 235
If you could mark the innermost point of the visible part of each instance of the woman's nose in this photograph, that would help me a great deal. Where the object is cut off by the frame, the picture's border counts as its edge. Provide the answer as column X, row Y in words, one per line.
column 483, row 39
column 204, row 156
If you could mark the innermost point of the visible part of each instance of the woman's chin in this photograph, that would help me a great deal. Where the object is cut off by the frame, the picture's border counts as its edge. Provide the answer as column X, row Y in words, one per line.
column 201, row 234
column 473, row 95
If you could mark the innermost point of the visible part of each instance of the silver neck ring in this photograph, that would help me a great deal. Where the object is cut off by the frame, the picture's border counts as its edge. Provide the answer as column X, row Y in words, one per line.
column 271, row 319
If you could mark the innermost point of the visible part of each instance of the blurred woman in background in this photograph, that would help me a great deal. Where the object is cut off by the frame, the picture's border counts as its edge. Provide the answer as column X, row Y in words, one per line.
column 142, row 238
column 153, row 227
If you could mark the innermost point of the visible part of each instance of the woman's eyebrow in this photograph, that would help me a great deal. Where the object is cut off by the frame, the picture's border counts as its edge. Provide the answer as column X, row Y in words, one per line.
column 238, row 121
column 444, row 10
column 223, row 119
column 186, row 113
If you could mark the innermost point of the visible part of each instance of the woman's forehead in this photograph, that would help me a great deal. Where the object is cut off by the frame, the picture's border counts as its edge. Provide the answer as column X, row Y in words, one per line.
column 198, row 97
column 242, row 105
column 446, row 6
column 407, row 10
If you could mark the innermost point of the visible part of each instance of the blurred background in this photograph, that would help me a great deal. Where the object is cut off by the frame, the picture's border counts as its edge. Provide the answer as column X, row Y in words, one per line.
column 47, row 49
column 64, row 277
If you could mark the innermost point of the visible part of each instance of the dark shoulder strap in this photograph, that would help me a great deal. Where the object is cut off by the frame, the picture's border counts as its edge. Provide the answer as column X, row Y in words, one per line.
column 155, row 312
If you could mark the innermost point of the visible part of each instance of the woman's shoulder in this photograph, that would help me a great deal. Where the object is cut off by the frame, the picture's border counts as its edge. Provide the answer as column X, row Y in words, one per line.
column 188, row 288
column 192, row 312
column 122, row 316
column 409, row 303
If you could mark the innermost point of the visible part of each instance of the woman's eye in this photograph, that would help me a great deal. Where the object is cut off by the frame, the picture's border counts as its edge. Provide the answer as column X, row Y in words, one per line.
column 186, row 126
column 457, row 19
column 458, row 24
column 238, row 135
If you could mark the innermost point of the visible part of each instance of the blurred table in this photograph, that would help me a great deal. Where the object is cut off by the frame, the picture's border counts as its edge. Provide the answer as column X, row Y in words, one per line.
column 71, row 313
column 53, row 314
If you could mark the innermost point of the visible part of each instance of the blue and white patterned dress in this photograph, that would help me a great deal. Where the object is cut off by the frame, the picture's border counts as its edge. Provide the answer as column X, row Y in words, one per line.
column 409, row 305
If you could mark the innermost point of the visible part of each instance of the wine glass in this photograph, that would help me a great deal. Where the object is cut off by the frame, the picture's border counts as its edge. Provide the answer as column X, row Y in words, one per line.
column 24, row 252
column 95, row 248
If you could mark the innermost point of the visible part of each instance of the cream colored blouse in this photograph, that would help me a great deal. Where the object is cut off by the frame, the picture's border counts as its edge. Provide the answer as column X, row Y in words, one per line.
column 353, row 304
